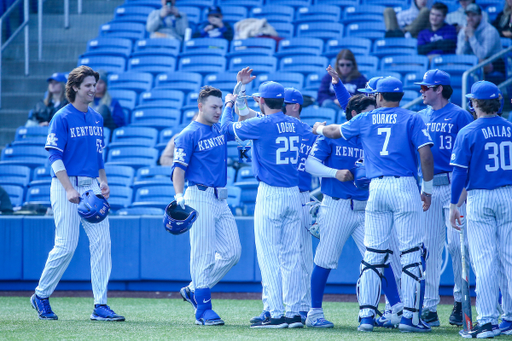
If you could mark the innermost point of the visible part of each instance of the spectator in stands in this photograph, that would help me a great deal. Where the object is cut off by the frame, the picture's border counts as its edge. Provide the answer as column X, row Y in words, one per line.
column 503, row 22
column 482, row 40
column 108, row 107
column 167, row 157
column 5, row 202
column 214, row 27
column 407, row 23
column 55, row 99
column 167, row 22
column 440, row 38
column 458, row 18
column 346, row 67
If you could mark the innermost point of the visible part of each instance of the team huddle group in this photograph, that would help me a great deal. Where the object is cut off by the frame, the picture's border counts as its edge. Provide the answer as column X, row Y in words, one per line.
column 399, row 223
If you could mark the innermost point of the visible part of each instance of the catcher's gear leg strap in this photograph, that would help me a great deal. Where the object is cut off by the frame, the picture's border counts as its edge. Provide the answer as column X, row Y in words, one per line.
column 420, row 281
column 377, row 268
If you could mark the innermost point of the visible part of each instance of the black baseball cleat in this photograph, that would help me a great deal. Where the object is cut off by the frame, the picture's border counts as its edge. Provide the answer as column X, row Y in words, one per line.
column 456, row 316
column 275, row 323
column 294, row 322
column 479, row 332
column 430, row 317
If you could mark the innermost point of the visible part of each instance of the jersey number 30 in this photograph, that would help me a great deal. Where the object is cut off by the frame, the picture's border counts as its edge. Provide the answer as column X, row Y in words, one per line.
column 290, row 144
column 499, row 156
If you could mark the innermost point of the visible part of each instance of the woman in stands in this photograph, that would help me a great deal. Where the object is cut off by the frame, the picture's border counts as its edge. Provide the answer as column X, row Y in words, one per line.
column 45, row 109
column 346, row 66
column 108, row 107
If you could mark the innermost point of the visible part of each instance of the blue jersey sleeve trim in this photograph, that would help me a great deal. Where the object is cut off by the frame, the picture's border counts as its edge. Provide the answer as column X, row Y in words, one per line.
column 341, row 132
column 426, row 144
column 181, row 164
column 49, row 147
column 459, row 176
column 457, row 165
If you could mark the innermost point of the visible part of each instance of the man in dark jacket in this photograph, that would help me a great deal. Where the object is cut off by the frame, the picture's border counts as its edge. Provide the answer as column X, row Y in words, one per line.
column 215, row 27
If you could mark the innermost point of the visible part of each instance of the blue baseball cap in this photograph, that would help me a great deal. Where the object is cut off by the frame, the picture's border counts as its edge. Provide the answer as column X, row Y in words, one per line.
column 435, row 77
column 389, row 84
column 292, row 95
column 59, row 77
column 484, row 90
column 371, row 85
column 270, row 90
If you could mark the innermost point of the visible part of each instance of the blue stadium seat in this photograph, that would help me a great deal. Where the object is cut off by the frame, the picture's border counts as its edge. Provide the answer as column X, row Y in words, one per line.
column 292, row 3
column 224, row 81
column 231, row 176
column 233, row 200
column 39, row 194
column 14, row 175
column 371, row 74
column 24, row 156
column 140, row 211
column 303, row 64
column 133, row 81
column 202, row 64
column 259, row 64
column 322, row 30
column 152, row 64
column 363, row 14
column 157, row 47
column 155, row 4
column 245, row 174
column 153, row 176
column 42, row 175
column 274, row 14
column 492, row 7
column 455, row 65
column 128, row 30
column 284, row 30
column 404, row 64
column 313, row 81
column 110, row 64
column 505, row 42
column 183, row 81
column 204, row 47
column 33, row 141
column 127, row 98
column 134, row 136
column 109, row 46
column 410, row 96
column 187, row 115
column 249, row 190
column 395, row 46
column 15, row 194
column 154, row 196
column 195, row 3
column 252, row 47
column 358, row 46
column 232, row 152
column 300, row 47
column 313, row 114
column 161, row 98
column 135, row 14
column 286, row 79
column 369, row 30
column 398, row 5
column 234, row 10
column 27, row 133
column 156, row 117
column 119, row 175
column 135, row 157
column 120, row 196
column 340, row 3
column 366, row 63
column 410, row 79
column 106, row 134
column 194, row 15
column 166, row 135
column 324, row 13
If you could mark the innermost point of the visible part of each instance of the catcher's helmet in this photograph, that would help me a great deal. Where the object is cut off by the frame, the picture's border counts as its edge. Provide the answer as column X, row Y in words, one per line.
column 359, row 173
column 93, row 207
column 178, row 220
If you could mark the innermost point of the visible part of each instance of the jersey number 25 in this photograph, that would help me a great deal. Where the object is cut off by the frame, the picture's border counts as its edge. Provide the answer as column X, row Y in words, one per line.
column 290, row 144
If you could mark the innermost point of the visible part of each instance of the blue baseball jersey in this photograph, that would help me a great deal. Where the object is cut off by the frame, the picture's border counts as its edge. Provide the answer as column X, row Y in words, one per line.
column 276, row 142
column 390, row 139
column 484, row 147
column 443, row 126
column 79, row 136
column 308, row 139
column 201, row 151
column 339, row 154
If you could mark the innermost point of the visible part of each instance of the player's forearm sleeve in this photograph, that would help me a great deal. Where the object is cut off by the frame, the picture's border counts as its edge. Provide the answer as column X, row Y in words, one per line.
column 459, row 176
column 227, row 121
column 316, row 168
column 55, row 155
column 342, row 94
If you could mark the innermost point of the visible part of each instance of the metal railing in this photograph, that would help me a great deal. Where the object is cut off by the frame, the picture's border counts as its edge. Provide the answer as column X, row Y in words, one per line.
column 66, row 11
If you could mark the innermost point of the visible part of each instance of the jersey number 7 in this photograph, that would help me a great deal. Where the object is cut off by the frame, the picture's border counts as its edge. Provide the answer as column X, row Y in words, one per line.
column 386, row 131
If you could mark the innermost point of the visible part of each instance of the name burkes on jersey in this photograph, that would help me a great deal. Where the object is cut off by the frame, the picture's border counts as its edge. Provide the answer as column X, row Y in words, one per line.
column 87, row 130
column 496, row 131
column 384, row 118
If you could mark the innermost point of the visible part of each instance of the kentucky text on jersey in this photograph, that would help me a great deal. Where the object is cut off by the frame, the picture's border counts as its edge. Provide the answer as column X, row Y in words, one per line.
column 496, row 131
column 212, row 142
column 440, row 127
column 384, row 118
column 86, row 131
column 349, row 151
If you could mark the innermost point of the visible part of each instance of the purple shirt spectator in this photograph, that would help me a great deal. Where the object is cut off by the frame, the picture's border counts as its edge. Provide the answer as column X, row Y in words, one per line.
column 442, row 41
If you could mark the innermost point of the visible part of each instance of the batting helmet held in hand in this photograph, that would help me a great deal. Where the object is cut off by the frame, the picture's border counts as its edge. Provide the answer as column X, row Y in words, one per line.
column 178, row 220
column 359, row 173
column 93, row 207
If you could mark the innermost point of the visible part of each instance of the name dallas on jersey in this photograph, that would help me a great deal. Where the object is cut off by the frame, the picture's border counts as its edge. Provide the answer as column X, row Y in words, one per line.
column 494, row 131
column 86, row 130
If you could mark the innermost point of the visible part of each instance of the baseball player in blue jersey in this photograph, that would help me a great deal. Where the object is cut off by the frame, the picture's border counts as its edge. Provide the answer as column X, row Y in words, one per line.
column 482, row 160
column 390, row 137
column 277, row 217
column 444, row 120
column 200, row 156
column 75, row 144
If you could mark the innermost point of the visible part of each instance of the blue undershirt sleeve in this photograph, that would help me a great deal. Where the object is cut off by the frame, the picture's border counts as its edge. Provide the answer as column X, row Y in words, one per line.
column 459, row 176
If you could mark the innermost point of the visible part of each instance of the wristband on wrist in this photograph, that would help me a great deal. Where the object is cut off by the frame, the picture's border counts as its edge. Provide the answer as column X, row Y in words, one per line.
column 453, row 206
column 178, row 195
column 320, row 130
column 427, row 186
column 232, row 103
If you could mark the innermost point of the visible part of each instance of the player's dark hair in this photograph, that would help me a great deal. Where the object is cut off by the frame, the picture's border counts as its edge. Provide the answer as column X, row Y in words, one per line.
column 346, row 54
column 392, row 96
column 488, row 106
column 76, row 77
column 358, row 103
column 447, row 91
column 274, row 103
column 284, row 107
column 440, row 7
column 207, row 91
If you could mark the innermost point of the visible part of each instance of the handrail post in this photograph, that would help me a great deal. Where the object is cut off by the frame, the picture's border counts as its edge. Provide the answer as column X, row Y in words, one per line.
column 66, row 13
column 39, row 29
column 1, row 35
column 79, row 6
column 25, row 4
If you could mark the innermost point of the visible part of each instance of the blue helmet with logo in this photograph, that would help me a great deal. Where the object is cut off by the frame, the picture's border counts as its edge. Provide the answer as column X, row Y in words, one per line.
column 178, row 220
column 93, row 207
column 359, row 173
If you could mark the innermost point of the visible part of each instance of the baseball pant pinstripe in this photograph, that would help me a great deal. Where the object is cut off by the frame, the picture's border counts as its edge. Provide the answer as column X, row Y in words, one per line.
column 214, row 242
column 490, row 238
column 67, row 231
column 506, row 298
column 306, row 248
column 277, row 219
column 392, row 200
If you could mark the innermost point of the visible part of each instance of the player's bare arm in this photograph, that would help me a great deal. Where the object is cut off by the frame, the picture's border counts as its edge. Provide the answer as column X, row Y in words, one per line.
column 71, row 193
column 427, row 168
column 105, row 190
column 331, row 131
column 178, row 181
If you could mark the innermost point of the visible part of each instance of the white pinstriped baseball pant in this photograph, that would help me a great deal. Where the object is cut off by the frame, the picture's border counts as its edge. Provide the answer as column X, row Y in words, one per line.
column 490, row 238
column 277, row 219
column 214, row 242
column 67, row 232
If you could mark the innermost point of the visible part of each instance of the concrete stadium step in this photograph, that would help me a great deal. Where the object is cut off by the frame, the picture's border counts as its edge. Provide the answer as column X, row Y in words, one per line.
column 88, row 6
column 43, row 68
column 16, row 118
column 20, row 100
column 25, row 84
column 51, row 51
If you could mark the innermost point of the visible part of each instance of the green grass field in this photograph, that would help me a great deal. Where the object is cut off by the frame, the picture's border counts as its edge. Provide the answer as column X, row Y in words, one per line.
column 172, row 319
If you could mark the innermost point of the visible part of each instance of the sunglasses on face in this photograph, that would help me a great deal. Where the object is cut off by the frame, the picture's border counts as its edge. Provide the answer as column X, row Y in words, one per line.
column 426, row 88
column 343, row 65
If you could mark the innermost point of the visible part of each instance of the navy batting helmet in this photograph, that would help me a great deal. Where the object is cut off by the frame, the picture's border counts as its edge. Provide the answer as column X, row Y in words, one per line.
column 359, row 173
column 93, row 207
column 178, row 220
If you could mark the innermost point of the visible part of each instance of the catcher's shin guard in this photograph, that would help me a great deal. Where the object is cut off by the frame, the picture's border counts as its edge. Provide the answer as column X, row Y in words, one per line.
column 420, row 281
